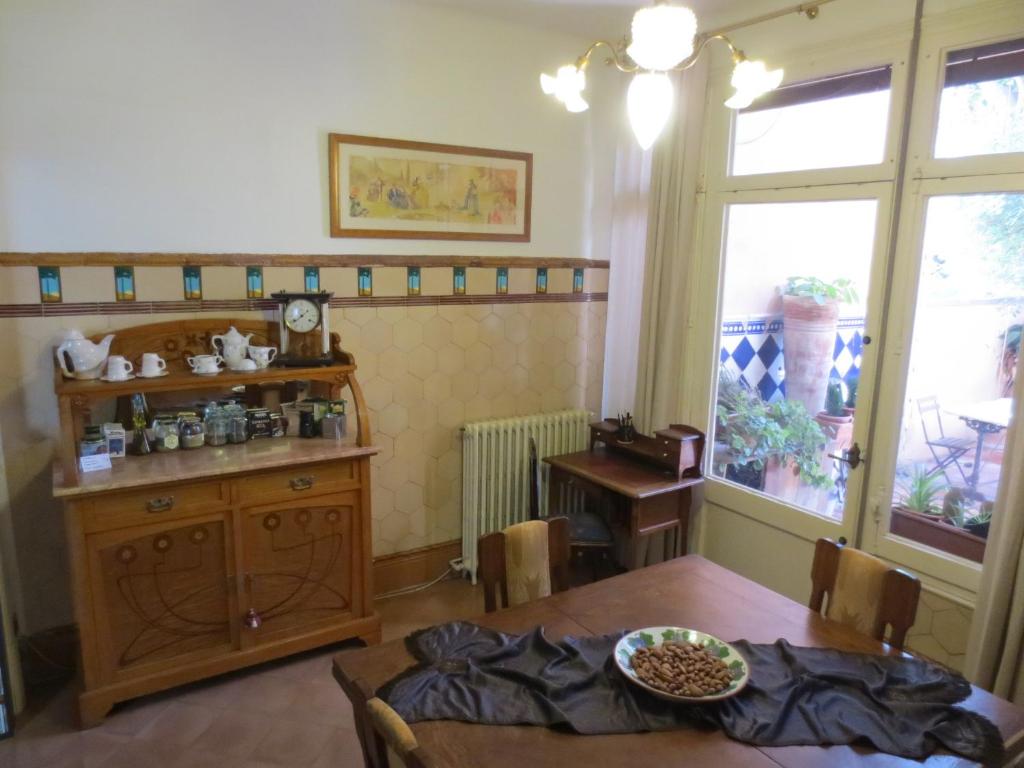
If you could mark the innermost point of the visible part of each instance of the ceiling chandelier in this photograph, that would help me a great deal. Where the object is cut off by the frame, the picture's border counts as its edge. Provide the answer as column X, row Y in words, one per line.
column 664, row 39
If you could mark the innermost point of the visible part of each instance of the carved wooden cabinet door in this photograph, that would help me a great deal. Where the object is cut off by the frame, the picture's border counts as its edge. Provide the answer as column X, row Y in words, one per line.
column 299, row 571
column 161, row 593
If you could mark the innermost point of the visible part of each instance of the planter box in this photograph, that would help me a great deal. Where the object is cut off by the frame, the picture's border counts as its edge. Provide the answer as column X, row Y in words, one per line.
column 932, row 533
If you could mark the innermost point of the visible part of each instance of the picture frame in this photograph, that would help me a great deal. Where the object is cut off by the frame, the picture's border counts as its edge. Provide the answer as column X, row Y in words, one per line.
column 393, row 188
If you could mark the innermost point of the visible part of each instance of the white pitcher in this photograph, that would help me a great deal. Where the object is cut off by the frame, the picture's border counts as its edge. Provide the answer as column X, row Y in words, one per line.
column 233, row 347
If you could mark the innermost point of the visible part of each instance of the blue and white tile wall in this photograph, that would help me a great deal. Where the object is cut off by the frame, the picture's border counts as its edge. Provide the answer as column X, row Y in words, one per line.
column 751, row 351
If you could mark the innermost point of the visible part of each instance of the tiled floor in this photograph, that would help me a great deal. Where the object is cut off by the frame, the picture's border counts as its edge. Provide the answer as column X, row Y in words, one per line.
column 290, row 713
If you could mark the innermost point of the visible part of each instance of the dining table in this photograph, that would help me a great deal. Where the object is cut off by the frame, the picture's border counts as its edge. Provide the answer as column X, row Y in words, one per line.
column 690, row 592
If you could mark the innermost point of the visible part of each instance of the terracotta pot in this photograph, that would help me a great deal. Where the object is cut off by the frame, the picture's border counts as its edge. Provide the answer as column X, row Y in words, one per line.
column 928, row 530
column 781, row 482
column 808, row 341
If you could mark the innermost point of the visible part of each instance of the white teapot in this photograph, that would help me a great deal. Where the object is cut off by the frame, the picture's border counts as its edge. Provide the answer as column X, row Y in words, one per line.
column 233, row 347
column 86, row 358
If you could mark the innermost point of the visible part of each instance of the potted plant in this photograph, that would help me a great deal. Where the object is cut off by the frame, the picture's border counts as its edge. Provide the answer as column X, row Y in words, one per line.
column 930, row 514
column 851, row 395
column 810, row 314
column 764, row 445
column 979, row 524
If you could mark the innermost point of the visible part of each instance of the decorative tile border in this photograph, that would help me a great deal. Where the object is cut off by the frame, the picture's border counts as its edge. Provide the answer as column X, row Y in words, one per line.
column 159, row 259
column 255, row 305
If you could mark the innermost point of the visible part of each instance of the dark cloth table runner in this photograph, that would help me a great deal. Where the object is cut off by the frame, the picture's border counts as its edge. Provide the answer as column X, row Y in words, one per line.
column 796, row 696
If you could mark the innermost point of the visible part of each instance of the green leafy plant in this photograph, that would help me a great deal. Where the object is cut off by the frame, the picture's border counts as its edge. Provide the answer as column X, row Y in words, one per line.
column 984, row 514
column 755, row 431
column 835, row 403
column 840, row 289
column 921, row 492
column 851, row 389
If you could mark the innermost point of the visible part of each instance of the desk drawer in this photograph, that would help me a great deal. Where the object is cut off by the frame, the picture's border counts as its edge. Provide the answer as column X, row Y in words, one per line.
column 297, row 482
column 150, row 505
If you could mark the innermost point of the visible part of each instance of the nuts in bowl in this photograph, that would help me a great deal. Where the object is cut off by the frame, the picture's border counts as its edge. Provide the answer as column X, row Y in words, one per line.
column 681, row 664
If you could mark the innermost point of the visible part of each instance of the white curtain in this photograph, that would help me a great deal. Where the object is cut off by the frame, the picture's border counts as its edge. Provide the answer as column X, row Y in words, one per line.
column 675, row 178
column 632, row 183
column 996, row 644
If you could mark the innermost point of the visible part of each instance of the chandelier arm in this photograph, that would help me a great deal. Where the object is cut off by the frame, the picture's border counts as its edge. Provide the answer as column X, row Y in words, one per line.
column 583, row 61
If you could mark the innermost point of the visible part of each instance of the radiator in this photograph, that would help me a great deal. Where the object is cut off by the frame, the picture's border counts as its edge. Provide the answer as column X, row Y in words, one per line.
column 495, row 470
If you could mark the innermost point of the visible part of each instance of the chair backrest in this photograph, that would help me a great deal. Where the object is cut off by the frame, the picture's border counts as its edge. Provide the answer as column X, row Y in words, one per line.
column 524, row 562
column 534, row 479
column 928, row 407
column 863, row 592
column 385, row 737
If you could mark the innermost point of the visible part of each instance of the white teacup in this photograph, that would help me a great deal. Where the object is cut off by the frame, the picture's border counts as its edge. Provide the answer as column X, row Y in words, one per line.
column 263, row 356
column 205, row 363
column 246, row 365
column 152, row 365
column 118, row 368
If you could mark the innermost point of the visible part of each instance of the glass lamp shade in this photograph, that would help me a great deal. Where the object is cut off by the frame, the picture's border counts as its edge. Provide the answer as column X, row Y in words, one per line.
column 662, row 36
column 566, row 86
column 649, row 103
column 752, row 79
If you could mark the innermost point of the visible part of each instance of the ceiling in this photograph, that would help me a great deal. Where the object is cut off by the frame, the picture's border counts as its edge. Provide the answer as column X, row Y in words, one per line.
column 590, row 19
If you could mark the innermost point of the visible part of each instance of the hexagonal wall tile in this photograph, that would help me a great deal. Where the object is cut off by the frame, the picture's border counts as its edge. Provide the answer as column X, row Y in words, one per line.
column 408, row 334
column 378, row 393
column 393, row 420
column 409, row 499
column 437, row 332
column 478, row 357
column 422, row 362
column 451, row 359
column 437, row 387
column 452, row 413
column 394, row 364
column 466, row 331
column 377, row 334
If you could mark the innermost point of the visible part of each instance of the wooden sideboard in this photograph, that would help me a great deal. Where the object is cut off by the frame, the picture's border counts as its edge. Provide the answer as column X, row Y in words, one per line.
column 189, row 564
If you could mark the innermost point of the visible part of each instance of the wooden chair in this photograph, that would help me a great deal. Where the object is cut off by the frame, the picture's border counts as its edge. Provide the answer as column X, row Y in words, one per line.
column 382, row 733
column 864, row 593
column 589, row 532
column 524, row 562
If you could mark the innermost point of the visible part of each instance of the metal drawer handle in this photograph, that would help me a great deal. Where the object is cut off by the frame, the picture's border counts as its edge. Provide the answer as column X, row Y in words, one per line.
column 161, row 504
column 303, row 483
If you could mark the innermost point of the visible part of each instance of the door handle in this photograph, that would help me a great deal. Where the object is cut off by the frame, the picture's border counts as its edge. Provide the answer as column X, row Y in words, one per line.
column 851, row 456
column 303, row 483
column 160, row 504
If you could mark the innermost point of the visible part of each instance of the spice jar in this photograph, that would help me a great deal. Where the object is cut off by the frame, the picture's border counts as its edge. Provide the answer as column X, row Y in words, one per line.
column 165, row 435
column 191, row 432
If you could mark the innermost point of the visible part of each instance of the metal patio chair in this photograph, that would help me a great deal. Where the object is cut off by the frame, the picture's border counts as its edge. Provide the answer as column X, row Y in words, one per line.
column 946, row 450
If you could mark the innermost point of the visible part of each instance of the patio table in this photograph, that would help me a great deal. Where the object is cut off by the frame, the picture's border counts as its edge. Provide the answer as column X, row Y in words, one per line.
column 688, row 592
column 985, row 418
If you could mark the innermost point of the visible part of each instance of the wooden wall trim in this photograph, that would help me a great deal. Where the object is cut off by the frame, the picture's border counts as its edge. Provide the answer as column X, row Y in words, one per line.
column 417, row 566
column 190, row 306
column 160, row 259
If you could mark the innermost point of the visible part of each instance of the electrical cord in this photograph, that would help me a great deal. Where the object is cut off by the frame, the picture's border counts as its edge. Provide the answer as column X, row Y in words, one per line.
column 418, row 588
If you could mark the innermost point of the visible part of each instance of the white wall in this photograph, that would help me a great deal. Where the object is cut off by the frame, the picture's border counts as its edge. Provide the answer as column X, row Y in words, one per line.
column 202, row 126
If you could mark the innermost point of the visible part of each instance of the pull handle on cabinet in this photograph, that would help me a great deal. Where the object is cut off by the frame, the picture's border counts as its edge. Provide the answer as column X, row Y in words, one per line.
column 303, row 483
column 160, row 504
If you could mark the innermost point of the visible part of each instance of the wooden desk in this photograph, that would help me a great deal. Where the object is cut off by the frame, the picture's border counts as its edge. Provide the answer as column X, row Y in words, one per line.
column 646, row 499
column 689, row 592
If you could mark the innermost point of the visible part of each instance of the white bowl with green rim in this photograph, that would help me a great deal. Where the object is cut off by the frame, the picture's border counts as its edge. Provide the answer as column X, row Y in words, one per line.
column 652, row 637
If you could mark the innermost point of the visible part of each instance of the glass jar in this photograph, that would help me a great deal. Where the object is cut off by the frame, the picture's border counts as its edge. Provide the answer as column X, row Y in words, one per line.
column 191, row 432
column 93, row 443
column 165, row 435
column 216, row 425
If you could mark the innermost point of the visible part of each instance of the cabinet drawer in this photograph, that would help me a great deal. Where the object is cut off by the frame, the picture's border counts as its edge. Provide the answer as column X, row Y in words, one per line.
column 121, row 510
column 311, row 480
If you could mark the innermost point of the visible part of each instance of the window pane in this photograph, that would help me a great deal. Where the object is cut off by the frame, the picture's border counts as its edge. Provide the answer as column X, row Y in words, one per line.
column 963, row 359
column 833, row 123
column 789, row 365
column 982, row 106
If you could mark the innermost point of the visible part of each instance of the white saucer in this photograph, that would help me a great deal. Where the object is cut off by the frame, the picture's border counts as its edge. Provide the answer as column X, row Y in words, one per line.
column 129, row 377
column 154, row 376
column 207, row 373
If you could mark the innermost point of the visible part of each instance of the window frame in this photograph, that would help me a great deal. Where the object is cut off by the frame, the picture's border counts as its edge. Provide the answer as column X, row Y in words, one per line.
column 802, row 66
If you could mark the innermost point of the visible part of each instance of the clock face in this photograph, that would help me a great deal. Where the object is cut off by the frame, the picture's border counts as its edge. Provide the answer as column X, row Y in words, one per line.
column 301, row 315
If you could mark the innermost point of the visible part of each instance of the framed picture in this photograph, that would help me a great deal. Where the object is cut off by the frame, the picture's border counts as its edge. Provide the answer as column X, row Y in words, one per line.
column 412, row 189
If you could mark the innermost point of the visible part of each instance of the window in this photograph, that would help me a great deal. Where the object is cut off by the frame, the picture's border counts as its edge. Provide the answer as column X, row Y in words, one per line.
column 982, row 107
column 834, row 122
column 963, row 360
column 789, row 364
